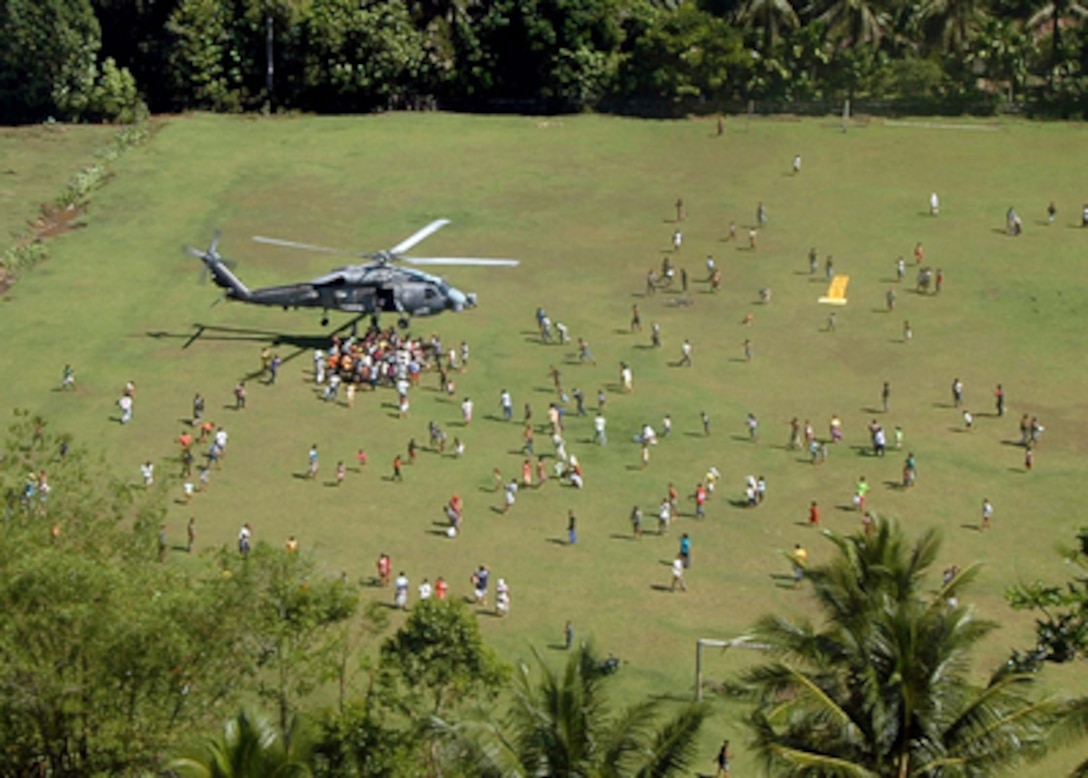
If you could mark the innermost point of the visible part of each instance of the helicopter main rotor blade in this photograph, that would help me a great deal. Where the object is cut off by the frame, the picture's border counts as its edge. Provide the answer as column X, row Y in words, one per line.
column 304, row 246
column 460, row 261
column 419, row 236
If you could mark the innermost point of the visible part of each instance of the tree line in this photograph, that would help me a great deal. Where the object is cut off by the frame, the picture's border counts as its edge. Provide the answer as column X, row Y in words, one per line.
column 111, row 59
column 115, row 660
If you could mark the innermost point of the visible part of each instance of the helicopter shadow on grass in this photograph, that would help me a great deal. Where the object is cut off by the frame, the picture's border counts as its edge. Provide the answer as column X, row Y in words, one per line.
column 209, row 332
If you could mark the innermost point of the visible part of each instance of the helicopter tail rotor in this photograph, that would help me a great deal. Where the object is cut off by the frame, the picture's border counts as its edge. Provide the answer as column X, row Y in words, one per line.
column 219, row 268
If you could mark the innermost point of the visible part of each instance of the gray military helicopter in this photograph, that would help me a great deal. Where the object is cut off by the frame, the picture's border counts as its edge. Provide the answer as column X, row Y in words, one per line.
column 379, row 286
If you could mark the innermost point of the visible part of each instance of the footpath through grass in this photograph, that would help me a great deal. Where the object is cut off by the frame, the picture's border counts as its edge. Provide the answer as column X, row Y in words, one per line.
column 587, row 204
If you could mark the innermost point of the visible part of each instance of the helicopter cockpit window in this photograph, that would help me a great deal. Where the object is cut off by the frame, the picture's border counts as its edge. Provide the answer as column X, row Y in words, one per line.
column 430, row 294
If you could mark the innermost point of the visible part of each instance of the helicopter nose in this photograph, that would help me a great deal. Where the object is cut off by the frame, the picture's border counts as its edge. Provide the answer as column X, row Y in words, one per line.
column 458, row 300
column 471, row 299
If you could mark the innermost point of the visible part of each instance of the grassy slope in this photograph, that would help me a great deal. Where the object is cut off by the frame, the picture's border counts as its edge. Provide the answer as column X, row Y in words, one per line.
column 35, row 162
column 585, row 203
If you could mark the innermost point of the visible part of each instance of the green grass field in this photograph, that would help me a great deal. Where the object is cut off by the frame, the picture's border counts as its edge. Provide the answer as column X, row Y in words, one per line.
column 586, row 203
column 35, row 162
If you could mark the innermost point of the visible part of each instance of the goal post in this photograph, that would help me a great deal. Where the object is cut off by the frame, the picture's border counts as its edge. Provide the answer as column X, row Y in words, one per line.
column 743, row 641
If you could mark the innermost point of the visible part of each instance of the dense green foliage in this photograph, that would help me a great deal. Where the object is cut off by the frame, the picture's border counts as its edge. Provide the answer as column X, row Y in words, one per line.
column 881, row 687
column 536, row 55
column 1061, row 629
column 562, row 724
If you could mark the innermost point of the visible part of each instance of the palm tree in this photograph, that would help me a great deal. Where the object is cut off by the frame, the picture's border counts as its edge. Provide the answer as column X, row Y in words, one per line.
column 882, row 687
column 951, row 24
column 1052, row 16
column 562, row 725
column 770, row 16
column 854, row 22
column 249, row 747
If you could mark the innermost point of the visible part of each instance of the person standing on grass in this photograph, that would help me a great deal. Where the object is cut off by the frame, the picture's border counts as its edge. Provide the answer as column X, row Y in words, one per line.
column 664, row 516
column 655, row 335
column 886, row 396
column 814, row 514
column 240, row 396
column 860, row 491
column 957, row 392
column 599, row 429
column 678, row 575
column 701, row 496
column 245, row 536
column 677, row 240
column 685, row 550
column 747, row 350
column 398, row 463
column 479, row 585
column 799, row 559
column 572, row 528
column 987, row 513
column 125, row 404
column 908, row 332
column 1029, row 458
column 680, row 209
column 706, row 422
column 441, row 588
column 722, row 760
column 753, row 427
column 507, row 403
column 999, row 400
column 685, row 353
column 190, row 533
column 400, row 592
column 796, row 164
column 636, row 521
column 311, row 471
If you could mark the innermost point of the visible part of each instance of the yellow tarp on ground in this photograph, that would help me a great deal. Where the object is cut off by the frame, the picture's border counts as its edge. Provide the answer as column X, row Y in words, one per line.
column 836, row 291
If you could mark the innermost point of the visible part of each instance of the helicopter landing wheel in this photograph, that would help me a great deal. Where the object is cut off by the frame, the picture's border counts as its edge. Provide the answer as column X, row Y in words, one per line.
column 402, row 323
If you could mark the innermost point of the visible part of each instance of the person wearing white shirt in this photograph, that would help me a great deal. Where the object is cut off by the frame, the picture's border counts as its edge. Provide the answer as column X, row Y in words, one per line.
column 400, row 589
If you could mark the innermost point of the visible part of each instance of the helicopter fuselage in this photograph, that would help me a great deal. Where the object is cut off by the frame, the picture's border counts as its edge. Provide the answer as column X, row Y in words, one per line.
column 364, row 289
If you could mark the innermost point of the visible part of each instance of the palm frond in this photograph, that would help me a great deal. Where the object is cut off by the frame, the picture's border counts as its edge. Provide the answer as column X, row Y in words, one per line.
column 673, row 746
